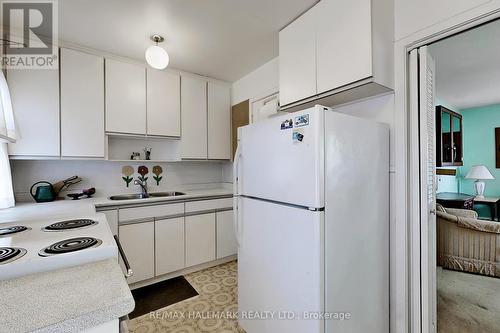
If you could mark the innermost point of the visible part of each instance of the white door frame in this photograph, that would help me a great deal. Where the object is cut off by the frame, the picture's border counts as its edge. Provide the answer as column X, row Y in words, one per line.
column 405, row 316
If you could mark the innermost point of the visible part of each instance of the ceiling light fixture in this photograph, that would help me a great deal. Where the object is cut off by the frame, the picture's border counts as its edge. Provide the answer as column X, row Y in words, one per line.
column 156, row 56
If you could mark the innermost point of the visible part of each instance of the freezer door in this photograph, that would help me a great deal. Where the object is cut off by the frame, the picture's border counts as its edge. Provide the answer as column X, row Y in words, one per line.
column 281, row 159
column 280, row 271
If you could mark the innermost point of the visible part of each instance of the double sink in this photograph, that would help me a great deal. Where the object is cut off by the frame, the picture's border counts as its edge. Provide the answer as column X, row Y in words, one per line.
column 144, row 196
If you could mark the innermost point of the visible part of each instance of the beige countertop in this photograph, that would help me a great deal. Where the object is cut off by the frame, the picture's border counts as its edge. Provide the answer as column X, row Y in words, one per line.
column 190, row 194
column 61, row 209
column 66, row 300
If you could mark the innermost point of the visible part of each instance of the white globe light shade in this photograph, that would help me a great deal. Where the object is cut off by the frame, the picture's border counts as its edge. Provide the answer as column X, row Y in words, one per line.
column 157, row 57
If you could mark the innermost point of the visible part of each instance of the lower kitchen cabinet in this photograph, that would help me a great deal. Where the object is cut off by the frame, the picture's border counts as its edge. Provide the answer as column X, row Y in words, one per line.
column 138, row 242
column 226, row 238
column 200, row 239
column 169, row 245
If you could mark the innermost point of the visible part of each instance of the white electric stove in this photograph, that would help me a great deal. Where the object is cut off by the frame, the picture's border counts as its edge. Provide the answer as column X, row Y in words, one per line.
column 44, row 245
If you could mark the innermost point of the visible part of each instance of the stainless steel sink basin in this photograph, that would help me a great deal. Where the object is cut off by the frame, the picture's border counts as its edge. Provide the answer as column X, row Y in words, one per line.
column 128, row 196
column 142, row 196
column 166, row 194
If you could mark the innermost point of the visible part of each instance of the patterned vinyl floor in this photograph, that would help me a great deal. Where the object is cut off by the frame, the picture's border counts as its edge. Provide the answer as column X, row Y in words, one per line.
column 213, row 310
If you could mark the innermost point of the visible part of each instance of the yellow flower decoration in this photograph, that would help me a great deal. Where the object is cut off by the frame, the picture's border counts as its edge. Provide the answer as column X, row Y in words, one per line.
column 127, row 171
column 157, row 170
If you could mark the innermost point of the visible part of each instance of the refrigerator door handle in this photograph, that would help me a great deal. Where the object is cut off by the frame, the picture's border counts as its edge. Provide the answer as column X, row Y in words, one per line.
column 235, row 220
column 236, row 168
column 236, row 165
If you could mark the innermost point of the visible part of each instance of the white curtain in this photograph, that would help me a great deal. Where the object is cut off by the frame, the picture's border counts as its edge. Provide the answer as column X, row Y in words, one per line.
column 6, row 191
column 7, row 127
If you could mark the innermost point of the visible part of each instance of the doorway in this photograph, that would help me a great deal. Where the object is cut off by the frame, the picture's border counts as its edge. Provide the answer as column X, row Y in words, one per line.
column 454, row 111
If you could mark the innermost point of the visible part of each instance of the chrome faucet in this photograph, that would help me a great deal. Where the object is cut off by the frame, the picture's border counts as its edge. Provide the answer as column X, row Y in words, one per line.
column 144, row 187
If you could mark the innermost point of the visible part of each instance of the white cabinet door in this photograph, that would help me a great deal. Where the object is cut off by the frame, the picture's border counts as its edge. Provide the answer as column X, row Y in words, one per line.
column 194, row 118
column 226, row 239
column 169, row 245
column 219, row 121
column 137, row 241
column 82, row 104
column 297, row 65
column 125, row 97
column 344, row 44
column 200, row 239
column 35, row 102
column 163, row 103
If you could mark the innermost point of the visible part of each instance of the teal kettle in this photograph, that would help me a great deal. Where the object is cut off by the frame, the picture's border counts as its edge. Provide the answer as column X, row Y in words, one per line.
column 43, row 193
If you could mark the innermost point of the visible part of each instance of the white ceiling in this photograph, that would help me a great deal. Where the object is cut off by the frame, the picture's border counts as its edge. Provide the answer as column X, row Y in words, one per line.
column 225, row 39
column 468, row 67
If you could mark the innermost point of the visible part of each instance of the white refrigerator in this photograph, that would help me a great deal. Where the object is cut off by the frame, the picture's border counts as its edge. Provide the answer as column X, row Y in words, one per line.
column 312, row 224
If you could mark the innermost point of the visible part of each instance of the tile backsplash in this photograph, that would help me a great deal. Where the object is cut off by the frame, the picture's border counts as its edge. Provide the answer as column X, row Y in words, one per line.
column 106, row 176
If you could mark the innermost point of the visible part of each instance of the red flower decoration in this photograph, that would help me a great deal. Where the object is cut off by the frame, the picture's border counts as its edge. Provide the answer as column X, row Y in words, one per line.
column 143, row 170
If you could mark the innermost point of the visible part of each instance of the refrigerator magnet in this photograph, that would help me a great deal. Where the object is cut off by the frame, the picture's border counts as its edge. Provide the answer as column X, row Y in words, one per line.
column 298, row 135
column 302, row 120
column 286, row 124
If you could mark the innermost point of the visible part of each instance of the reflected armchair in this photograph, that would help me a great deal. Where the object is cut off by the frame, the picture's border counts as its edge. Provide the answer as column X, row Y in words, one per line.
column 467, row 244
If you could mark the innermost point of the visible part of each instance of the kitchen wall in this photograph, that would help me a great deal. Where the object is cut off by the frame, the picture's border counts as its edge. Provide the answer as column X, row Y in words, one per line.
column 412, row 16
column 106, row 176
column 261, row 82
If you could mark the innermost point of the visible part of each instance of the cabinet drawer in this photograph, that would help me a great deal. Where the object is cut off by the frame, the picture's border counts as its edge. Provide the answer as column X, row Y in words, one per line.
column 199, row 206
column 159, row 211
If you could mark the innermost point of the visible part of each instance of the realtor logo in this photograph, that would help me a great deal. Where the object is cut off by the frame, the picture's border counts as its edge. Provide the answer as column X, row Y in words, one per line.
column 29, row 34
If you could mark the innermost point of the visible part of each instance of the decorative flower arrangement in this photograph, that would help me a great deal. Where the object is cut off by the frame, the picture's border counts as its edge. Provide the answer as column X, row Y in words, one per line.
column 127, row 171
column 157, row 171
column 143, row 171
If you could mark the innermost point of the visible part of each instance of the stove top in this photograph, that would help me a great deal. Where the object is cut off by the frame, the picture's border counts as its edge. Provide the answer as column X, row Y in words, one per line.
column 70, row 245
column 9, row 254
column 13, row 229
column 73, row 240
column 70, row 224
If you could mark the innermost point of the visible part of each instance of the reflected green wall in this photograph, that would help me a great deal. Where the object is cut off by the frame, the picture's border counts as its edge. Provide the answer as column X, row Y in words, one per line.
column 479, row 148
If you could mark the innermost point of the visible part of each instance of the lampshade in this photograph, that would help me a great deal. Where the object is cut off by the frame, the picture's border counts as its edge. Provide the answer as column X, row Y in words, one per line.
column 157, row 57
column 479, row 172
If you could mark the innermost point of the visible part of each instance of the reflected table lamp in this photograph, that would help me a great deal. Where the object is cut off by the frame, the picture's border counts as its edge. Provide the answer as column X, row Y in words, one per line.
column 479, row 173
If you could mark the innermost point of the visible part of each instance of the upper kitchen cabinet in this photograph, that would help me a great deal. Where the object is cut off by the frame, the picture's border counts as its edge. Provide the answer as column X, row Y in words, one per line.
column 219, row 121
column 35, row 102
column 163, row 103
column 297, row 59
column 125, row 97
column 82, row 104
column 194, row 118
column 349, row 50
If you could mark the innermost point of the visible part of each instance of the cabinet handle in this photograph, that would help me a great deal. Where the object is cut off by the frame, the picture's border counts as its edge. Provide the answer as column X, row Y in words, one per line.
column 124, row 257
